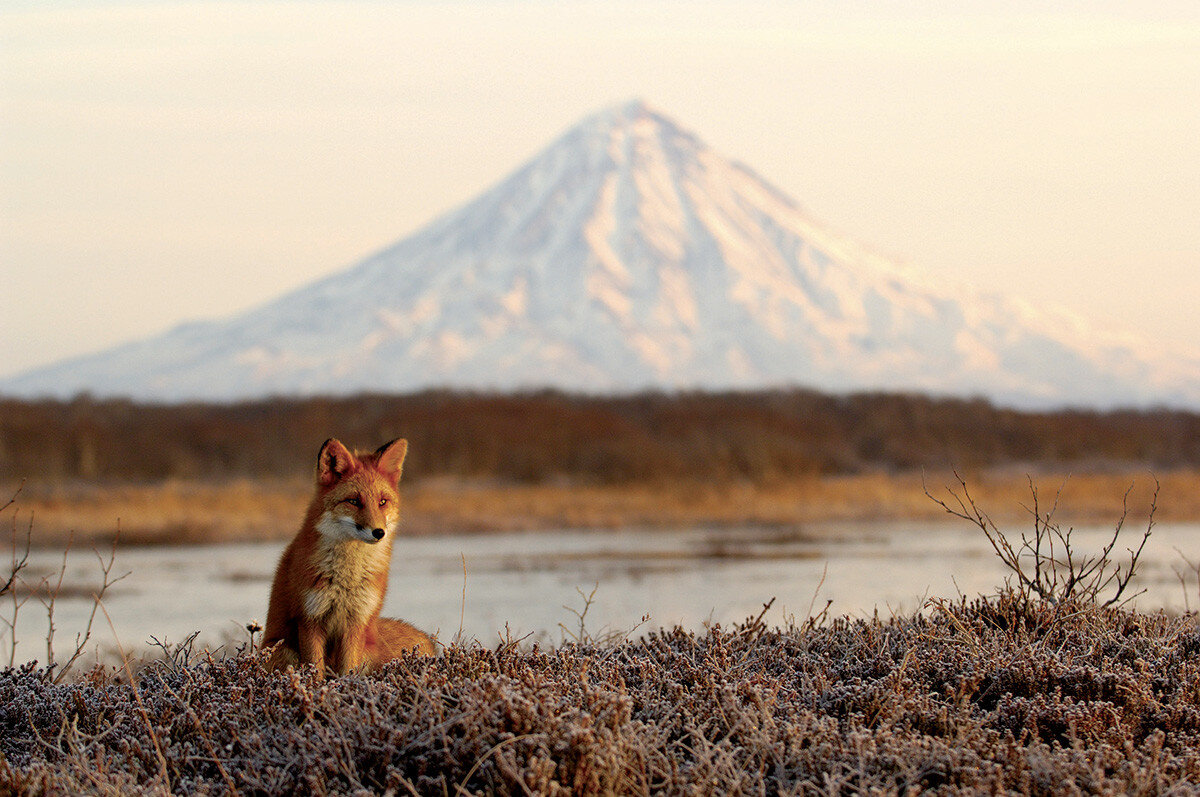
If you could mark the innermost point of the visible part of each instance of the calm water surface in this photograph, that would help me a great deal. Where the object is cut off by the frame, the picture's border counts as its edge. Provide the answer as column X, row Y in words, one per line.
column 533, row 583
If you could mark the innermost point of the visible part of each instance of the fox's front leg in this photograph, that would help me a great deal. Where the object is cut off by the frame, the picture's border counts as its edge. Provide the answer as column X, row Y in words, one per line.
column 349, row 652
column 282, row 657
column 312, row 641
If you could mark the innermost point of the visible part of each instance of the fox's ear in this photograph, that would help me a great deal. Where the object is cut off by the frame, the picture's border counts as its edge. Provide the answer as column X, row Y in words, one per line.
column 334, row 462
column 390, row 457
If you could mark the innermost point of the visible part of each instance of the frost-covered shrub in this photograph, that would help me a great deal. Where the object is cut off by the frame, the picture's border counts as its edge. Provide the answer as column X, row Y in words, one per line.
column 968, row 696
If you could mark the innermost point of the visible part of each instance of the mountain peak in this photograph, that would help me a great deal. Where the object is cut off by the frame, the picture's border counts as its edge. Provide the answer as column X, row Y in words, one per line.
column 622, row 129
column 626, row 114
column 628, row 255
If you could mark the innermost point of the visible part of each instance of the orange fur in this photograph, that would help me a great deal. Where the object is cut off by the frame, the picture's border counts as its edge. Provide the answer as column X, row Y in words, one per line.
column 331, row 580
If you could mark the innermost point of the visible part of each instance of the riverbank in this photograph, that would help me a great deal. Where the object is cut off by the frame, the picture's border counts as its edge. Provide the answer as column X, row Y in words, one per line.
column 178, row 512
column 1002, row 696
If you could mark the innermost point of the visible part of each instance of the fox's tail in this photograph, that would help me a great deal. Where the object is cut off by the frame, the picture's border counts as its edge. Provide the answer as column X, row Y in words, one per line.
column 393, row 638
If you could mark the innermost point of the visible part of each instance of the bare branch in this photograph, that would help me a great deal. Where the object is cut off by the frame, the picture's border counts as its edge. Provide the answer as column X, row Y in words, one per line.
column 17, row 564
column 1046, row 564
column 81, row 639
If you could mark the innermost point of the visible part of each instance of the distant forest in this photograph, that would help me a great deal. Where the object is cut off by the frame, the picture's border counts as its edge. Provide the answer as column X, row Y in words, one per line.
column 546, row 436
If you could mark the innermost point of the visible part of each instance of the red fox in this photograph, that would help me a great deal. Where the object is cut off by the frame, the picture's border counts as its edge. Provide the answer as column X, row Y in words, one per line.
column 331, row 579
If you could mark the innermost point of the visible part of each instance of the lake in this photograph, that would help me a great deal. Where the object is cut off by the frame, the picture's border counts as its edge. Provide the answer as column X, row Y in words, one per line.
column 534, row 583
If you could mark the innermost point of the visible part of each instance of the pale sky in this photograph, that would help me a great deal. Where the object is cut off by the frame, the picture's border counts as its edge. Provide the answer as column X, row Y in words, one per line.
column 168, row 161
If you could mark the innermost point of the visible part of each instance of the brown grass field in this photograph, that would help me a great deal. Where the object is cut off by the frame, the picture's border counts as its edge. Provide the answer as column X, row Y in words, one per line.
column 178, row 512
column 997, row 696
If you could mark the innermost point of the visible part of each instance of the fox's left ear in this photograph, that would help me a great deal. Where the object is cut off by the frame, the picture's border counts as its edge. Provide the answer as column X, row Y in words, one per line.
column 390, row 457
column 333, row 462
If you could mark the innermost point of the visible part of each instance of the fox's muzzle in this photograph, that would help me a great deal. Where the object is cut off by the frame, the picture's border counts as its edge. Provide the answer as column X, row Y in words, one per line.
column 377, row 534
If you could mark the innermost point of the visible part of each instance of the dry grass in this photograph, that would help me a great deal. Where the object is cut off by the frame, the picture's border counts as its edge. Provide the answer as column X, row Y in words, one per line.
column 996, row 696
column 195, row 512
column 176, row 512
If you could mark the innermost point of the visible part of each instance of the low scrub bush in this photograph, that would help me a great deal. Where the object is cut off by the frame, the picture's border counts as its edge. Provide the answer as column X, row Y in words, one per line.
column 973, row 696
column 1045, row 565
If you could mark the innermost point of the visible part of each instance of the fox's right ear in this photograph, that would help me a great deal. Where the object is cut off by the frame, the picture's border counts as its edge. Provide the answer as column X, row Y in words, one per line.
column 334, row 462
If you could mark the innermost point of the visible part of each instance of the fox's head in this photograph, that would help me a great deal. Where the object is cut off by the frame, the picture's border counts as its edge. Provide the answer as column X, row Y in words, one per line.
column 358, row 493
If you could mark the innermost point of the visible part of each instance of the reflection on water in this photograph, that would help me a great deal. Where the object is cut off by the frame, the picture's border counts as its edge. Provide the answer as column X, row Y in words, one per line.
column 533, row 582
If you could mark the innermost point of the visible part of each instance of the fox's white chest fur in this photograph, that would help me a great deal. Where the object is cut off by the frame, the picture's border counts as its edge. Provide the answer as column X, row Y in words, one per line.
column 347, row 592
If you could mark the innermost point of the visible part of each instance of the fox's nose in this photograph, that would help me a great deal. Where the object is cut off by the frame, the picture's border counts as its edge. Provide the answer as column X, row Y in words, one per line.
column 378, row 533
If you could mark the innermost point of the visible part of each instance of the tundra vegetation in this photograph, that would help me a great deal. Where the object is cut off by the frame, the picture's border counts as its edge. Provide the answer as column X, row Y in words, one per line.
column 204, row 473
column 1049, row 685
column 543, row 437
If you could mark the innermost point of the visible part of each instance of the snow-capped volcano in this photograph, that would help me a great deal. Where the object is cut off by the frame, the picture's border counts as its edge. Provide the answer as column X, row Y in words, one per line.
column 629, row 255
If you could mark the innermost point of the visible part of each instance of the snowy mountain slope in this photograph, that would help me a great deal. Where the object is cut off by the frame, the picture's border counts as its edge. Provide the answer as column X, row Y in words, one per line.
column 629, row 255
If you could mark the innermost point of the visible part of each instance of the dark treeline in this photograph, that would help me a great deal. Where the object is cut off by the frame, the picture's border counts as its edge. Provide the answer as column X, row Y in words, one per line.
column 548, row 435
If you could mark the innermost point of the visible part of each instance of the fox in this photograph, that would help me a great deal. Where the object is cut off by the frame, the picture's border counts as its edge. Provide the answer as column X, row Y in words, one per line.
column 331, row 579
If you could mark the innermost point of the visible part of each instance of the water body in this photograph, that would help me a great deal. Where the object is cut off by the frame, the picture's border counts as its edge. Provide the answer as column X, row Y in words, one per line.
column 534, row 584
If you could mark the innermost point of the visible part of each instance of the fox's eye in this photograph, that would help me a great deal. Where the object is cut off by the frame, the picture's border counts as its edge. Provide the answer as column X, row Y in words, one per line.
column 383, row 502
column 354, row 502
